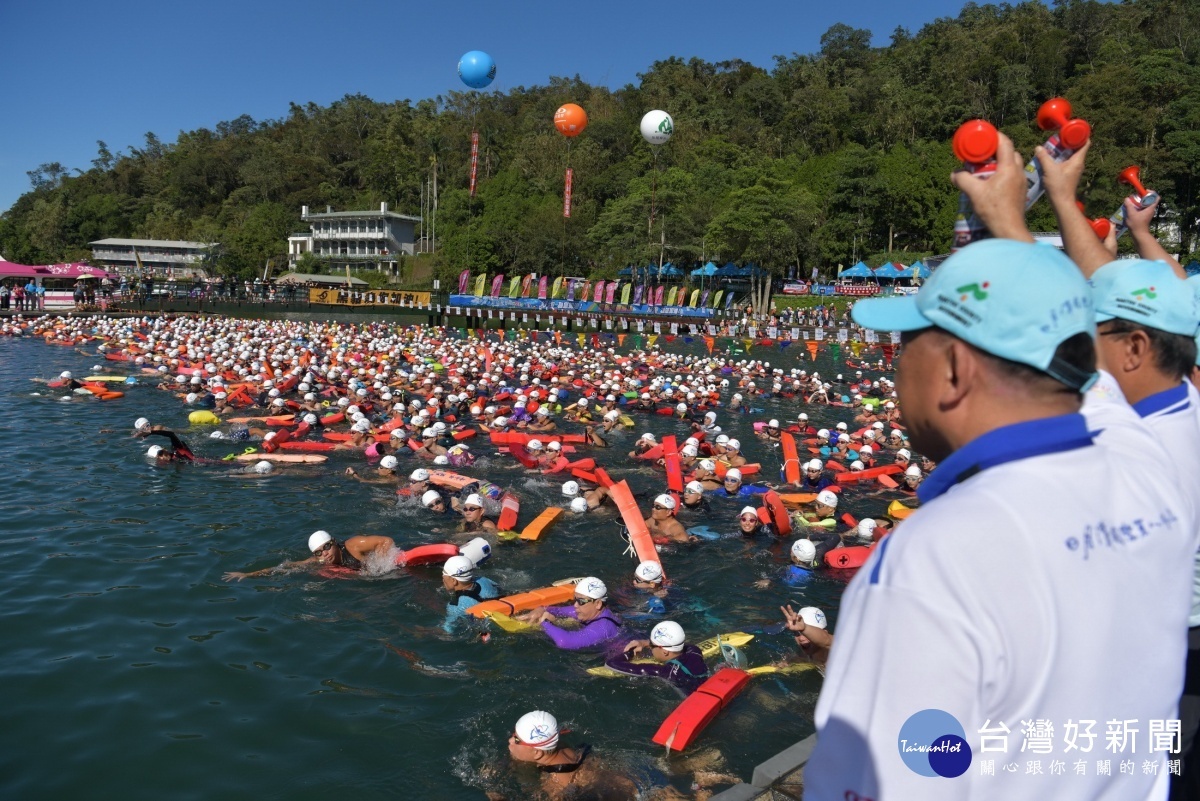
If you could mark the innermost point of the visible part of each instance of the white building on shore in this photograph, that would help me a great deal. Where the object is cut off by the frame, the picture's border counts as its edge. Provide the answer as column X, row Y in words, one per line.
column 357, row 239
column 165, row 258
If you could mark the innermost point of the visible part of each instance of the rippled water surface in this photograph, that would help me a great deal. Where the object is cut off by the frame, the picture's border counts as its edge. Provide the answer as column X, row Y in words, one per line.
column 131, row 670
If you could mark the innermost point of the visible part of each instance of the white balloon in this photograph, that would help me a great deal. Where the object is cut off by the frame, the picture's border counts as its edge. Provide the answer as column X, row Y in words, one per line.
column 657, row 127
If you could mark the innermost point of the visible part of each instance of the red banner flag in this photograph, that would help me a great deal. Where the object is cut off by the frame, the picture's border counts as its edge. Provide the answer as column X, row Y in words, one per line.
column 474, row 158
column 567, row 194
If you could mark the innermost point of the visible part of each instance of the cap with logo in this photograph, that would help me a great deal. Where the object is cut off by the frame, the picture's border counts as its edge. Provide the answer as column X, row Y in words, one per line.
column 981, row 295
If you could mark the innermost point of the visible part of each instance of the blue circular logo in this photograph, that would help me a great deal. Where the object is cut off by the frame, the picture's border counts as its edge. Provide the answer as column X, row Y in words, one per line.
column 933, row 743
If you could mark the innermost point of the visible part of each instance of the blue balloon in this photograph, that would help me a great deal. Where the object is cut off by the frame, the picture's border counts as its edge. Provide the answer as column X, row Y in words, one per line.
column 477, row 69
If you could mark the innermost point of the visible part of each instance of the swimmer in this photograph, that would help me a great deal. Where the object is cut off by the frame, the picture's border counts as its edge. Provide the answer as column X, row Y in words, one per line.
column 328, row 552
column 705, row 474
column 598, row 624
column 750, row 525
column 693, row 497
column 771, row 433
column 472, row 513
column 460, row 579
column 810, row 629
column 386, row 473
column 732, row 486
column 563, row 772
column 178, row 452
column 593, row 498
column 649, row 576
column 733, row 456
column 912, row 480
column 675, row 660
column 815, row 478
column 662, row 524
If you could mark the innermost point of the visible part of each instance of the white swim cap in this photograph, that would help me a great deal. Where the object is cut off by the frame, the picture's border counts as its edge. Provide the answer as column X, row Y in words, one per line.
column 827, row 498
column 429, row 498
column 216, row 435
column 708, row 464
column 773, row 424
column 812, row 616
column 263, row 467
column 904, row 453
column 814, row 464
column 649, row 571
column 668, row 636
column 570, row 489
column 141, row 423
column 538, row 730
column 690, row 451
column 804, row 551
column 190, row 398
column 867, row 449
column 153, row 451
column 441, row 460
column 389, row 462
column 666, row 501
column 554, row 446
column 823, row 433
column 866, row 528
column 723, row 439
column 913, row 470
column 579, row 505
column 420, row 474
column 317, row 539
column 65, row 374
column 842, row 427
column 592, row 587
column 857, row 466
column 734, row 473
column 361, row 427
column 802, row 416
column 459, row 567
column 748, row 510
column 310, row 419
column 733, row 445
column 473, row 500
column 694, row 487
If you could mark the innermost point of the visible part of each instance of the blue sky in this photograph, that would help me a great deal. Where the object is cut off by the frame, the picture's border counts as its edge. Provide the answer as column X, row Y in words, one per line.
column 83, row 71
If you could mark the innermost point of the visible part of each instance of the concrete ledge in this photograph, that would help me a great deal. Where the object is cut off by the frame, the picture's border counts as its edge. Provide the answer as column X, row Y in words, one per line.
column 787, row 761
column 739, row 792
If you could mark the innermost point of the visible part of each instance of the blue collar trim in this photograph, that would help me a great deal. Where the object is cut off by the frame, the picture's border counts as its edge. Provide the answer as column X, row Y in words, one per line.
column 1006, row 444
column 1161, row 400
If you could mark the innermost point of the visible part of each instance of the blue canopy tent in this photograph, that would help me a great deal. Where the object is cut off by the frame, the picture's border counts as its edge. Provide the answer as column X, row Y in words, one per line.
column 893, row 270
column 921, row 268
column 730, row 270
column 707, row 271
column 670, row 271
column 860, row 270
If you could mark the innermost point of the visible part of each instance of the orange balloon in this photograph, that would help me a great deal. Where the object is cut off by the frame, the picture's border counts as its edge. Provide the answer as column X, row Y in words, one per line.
column 570, row 120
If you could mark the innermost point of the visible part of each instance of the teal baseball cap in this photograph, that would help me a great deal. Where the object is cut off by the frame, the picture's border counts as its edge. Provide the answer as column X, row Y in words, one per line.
column 1014, row 300
column 1194, row 283
column 1148, row 293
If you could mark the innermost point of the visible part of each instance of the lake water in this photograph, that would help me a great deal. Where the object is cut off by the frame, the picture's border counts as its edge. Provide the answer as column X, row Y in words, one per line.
column 131, row 670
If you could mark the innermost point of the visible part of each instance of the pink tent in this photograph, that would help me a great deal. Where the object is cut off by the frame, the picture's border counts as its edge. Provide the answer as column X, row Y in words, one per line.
column 10, row 269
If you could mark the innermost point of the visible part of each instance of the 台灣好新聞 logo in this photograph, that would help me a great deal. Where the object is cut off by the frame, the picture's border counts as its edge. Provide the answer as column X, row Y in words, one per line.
column 933, row 743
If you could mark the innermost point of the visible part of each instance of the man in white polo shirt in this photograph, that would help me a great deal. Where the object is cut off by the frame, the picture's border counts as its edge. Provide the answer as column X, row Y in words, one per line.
column 974, row 661
column 1147, row 318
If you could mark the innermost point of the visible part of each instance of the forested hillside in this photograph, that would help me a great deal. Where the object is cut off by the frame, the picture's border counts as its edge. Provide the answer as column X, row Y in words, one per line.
column 811, row 161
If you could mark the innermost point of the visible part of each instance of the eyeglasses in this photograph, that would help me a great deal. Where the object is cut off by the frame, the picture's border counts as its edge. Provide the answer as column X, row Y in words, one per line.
column 663, row 508
column 732, row 480
column 325, row 547
column 472, row 508
column 584, row 601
